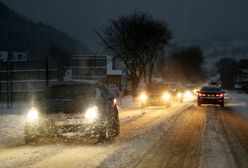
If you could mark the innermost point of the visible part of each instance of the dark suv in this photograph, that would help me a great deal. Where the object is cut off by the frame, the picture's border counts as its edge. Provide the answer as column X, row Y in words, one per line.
column 71, row 110
column 155, row 94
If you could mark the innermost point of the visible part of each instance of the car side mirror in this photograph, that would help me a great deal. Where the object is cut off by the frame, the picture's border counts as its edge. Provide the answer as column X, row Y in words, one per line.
column 197, row 91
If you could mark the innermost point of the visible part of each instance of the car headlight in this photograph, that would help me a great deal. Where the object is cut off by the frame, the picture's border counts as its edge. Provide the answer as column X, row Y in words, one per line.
column 179, row 95
column 33, row 114
column 188, row 94
column 166, row 96
column 91, row 113
column 143, row 97
column 114, row 101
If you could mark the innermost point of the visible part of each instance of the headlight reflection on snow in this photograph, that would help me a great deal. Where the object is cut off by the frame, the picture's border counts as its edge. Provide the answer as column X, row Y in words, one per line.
column 33, row 114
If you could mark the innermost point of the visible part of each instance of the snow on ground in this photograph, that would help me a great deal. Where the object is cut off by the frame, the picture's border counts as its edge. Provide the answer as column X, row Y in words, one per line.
column 127, row 102
column 11, row 125
column 130, row 154
column 11, row 130
column 239, row 102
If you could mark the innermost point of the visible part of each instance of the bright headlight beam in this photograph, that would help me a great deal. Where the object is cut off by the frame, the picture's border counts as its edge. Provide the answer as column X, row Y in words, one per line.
column 143, row 97
column 188, row 94
column 91, row 113
column 179, row 95
column 166, row 96
column 33, row 114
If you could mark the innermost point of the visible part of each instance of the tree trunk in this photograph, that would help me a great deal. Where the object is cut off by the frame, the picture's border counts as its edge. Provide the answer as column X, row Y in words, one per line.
column 145, row 75
column 150, row 73
column 151, row 67
column 135, row 83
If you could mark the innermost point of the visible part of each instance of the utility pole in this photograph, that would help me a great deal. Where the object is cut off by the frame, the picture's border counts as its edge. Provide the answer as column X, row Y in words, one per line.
column 9, row 80
column 47, row 71
column 0, row 80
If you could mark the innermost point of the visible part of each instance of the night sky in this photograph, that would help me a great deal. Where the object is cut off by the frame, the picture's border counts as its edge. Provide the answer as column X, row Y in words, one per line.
column 188, row 19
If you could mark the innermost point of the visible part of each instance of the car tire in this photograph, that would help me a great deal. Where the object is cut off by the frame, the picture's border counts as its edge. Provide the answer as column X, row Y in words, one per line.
column 198, row 104
column 111, row 130
column 30, row 137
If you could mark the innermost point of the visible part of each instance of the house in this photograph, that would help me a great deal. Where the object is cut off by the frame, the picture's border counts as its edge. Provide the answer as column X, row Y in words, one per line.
column 95, row 67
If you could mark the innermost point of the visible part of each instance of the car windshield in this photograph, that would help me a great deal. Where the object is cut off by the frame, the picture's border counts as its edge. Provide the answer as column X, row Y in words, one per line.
column 71, row 91
column 210, row 89
column 156, row 88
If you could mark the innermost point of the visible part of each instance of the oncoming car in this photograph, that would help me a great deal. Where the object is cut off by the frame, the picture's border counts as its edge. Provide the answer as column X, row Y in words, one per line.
column 155, row 94
column 210, row 95
column 73, row 110
column 177, row 95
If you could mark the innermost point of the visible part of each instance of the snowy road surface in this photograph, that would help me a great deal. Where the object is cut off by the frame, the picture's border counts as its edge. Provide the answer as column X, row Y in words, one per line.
column 183, row 135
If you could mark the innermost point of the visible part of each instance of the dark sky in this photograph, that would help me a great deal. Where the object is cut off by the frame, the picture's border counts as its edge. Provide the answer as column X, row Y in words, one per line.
column 186, row 18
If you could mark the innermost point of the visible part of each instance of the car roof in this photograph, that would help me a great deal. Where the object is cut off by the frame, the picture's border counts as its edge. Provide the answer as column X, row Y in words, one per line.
column 211, row 86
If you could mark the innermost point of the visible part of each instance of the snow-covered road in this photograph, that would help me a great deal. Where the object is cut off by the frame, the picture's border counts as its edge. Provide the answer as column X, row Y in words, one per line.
column 183, row 135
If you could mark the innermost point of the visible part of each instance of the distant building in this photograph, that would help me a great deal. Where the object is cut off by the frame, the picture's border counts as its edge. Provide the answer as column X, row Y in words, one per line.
column 15, row 56
column 242, row 75
column 95, row 67
column 242, row 79
column 92, row 67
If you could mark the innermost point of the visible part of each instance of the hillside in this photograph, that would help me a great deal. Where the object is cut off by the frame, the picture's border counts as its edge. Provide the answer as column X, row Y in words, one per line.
column 18, row 33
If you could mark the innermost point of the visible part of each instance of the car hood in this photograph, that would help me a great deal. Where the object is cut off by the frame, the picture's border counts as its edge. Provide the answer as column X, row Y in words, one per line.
column 67, row 105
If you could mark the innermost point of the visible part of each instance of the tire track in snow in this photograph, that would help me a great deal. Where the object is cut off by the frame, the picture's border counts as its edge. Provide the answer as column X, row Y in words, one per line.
column 131, row 153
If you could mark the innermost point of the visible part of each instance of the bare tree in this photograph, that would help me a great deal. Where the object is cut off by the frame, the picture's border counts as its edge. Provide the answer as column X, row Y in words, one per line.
column 227, row 67
column 186, row 63
column 137, row 40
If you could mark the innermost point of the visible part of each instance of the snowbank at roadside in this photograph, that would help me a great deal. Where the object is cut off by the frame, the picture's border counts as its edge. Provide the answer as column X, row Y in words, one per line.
column 239, row 103
column 11, row 130
column 16, row 108
column 127, row 102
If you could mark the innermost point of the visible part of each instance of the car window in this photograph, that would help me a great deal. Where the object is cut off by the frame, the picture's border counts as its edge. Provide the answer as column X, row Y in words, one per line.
column 210, row 89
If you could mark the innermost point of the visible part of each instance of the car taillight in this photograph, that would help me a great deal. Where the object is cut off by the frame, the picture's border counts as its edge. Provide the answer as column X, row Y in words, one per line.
column 202, row 94
column 220, row 95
